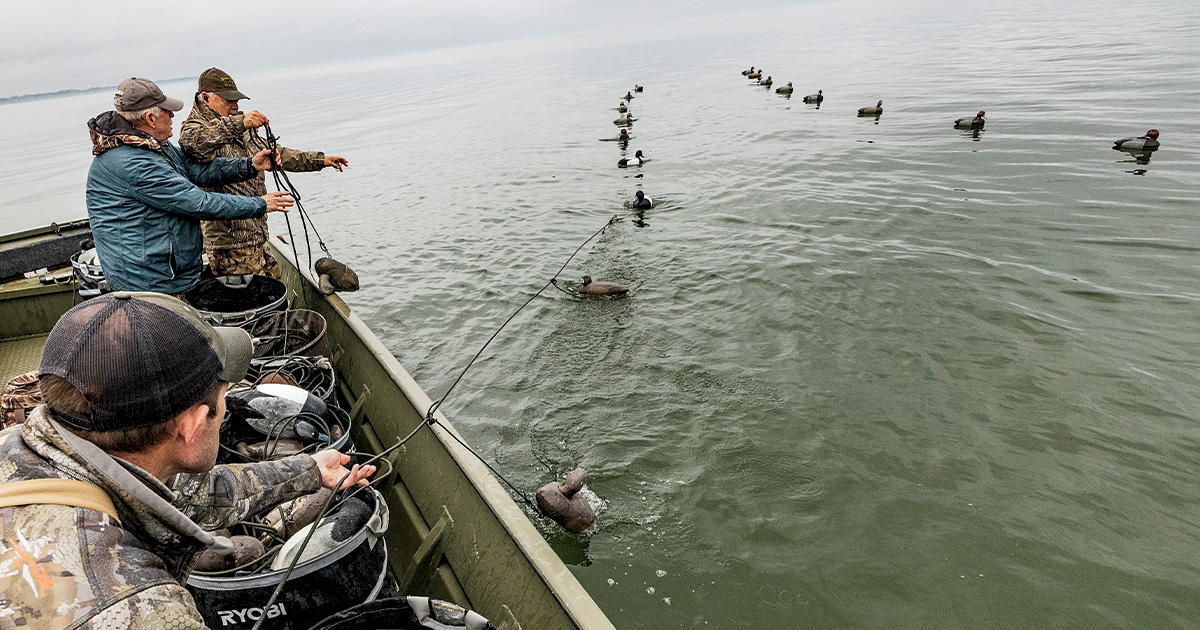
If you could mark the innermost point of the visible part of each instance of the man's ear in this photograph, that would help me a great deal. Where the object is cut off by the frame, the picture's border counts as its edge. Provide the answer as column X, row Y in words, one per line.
column 192, row 422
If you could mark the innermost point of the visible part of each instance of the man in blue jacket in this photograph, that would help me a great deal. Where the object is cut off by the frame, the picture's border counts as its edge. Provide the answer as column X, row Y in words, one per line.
column 143, row 198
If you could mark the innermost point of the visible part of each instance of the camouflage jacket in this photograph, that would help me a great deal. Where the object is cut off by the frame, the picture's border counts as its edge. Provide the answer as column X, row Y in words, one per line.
column 72, row 567
column 206, row 135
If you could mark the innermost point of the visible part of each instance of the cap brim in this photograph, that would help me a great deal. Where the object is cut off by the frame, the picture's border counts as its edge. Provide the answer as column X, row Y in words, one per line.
column 231, row 95
column 236, row 351
column 171, row 104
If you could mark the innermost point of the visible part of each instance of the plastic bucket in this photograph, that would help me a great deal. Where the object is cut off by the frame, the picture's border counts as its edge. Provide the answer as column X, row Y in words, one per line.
column 404, row 613
column 292, row 332
column 354, row 572
column 236, row 300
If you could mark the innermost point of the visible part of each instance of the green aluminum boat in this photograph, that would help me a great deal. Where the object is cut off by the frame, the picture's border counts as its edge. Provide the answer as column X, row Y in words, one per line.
column 455, row 533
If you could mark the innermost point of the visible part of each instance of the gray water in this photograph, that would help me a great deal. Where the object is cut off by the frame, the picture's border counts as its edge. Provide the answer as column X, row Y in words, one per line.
column 871, row 373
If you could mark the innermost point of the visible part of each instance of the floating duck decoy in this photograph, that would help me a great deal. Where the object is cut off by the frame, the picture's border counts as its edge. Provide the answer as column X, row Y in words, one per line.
column 749, row 72
column 624, row 120
column 562, row 502
column 641, row 201
column 765, row 82
column 637, row 88
column 787, row 89
column 872, row 111
column 629, row 96
column 1148, row 142
column 970, row 123
column 622, row 107
column 754, row 75
column 601, row 287
column 636, row 160
column 815, row 98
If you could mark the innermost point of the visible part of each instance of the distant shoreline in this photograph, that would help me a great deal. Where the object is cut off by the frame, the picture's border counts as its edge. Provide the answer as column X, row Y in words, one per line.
column 22, row 98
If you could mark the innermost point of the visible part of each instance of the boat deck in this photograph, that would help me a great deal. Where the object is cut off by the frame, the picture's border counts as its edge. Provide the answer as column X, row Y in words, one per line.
column 18, row 356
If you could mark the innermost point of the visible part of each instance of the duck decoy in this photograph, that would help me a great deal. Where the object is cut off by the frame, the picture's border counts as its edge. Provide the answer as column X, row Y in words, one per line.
column 815, row 98
column 641, row 201
column 754, row 75
column 747, row 73
column 872, row 111
column 636, row 160
column 622, row 107
column 1148, row 142
column 637, row 88
column 562, row 502
column 787, row 89
column 623, row 120
column 970, row 123
column 601, row 287
column 765, row 82
column 629, row 96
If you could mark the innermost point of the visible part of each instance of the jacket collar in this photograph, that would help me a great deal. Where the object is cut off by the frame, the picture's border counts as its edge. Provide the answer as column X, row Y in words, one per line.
column 109, row 131
column 159, row 534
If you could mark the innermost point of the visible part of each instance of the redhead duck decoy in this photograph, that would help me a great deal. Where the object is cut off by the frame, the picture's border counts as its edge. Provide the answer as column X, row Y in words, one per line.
column 755, row 75
column 622, row 107
column 590, row 287
column 765, row 82
column 872, row 111
column 815, row 98
column 637, row 88
column 787, row 89
column 641, row 201
column 749, row 72
column 636, row 160
column 629, row 96
column 970, row 123
column 1148, row 142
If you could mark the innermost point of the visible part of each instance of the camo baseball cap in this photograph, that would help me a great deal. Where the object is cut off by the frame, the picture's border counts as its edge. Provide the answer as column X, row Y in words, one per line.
column 136, row 94
column 141, row 358
column 218, row 82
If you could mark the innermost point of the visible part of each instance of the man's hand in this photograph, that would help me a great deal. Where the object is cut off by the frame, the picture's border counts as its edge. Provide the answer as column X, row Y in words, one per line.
column 333, row 468
column 337, row 161
column 254, row 119
column 278, row 201
column 264, row 160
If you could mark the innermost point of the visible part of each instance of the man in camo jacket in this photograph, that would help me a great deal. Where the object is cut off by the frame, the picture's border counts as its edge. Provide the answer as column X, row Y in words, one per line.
column 155, row 375
column 216, row 128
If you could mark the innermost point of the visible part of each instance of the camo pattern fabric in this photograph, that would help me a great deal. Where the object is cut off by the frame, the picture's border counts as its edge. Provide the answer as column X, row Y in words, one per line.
column 19, row 397
column 255, row 260
column 102, row 142
column 205, row 135
column 69, row 567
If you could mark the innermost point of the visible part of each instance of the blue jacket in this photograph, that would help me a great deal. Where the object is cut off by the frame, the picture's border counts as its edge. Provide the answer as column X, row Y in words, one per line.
column 145, row 207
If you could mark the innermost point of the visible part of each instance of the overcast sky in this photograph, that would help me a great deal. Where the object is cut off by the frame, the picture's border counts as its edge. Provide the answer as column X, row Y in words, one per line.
column 64, row 44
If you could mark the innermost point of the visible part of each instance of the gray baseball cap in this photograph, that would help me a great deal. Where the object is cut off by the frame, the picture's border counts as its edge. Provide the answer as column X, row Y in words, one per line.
column 141, row 358
column 136, row 94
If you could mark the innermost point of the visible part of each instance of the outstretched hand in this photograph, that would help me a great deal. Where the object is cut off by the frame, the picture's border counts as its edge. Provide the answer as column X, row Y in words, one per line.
column 333, row 467
column 265, row 159
column 278, row 201
column 337, row 161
